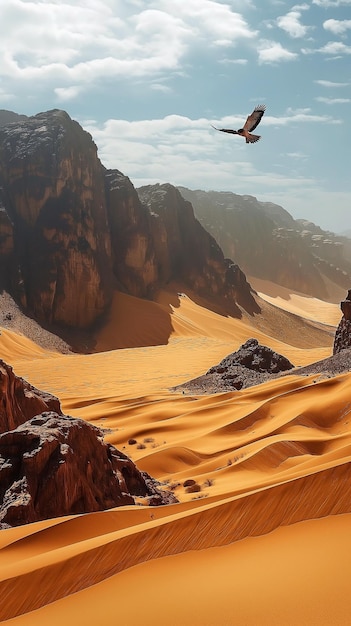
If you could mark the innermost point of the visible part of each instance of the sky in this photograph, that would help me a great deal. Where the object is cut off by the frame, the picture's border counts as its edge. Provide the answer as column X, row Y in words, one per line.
column 148, row 78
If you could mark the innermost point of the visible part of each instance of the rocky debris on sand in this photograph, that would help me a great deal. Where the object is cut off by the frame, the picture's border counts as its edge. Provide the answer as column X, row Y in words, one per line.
column 19, row 401
column 54, row 465
column 14, row 320
column 343, row 332
column 251, row 365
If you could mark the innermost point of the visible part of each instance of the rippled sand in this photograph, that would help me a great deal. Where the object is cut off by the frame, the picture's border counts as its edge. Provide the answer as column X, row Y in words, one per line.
column 264, row 542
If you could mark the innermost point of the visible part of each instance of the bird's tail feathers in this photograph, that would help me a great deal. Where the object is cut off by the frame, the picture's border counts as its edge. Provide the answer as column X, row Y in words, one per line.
column 250, row 138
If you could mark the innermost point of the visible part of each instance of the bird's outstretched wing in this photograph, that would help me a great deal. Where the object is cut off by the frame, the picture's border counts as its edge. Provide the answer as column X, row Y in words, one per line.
column 226, row 130
column 254, row 119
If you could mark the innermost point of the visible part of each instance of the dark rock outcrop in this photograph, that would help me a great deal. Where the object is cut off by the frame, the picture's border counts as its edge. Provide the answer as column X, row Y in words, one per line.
column 255, row 357
column 135, row 265
column 56, row 465
column 184, row 250
column 266, row 242
column 20, row 401
column 342, row 338
column 251, row 365
column 54, row 209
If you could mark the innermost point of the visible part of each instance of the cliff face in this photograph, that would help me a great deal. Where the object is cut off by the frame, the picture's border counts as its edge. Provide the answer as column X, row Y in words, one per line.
column 185, row 250
column 156, row 238
column 53, row 194
column 135, row 264
column 268, row 243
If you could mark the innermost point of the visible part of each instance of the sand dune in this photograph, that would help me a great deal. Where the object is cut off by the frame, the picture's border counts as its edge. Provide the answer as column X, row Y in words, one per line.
column 264, row 539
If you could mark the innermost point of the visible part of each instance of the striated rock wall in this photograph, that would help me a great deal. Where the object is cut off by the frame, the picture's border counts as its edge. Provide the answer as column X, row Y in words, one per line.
column 135, row 264
column 54, row 195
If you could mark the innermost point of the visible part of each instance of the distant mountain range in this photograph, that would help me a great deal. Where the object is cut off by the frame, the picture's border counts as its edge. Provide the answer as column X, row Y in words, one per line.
column 267, row 242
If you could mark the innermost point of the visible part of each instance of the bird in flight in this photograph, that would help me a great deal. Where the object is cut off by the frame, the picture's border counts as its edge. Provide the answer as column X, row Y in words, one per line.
column 251, row 123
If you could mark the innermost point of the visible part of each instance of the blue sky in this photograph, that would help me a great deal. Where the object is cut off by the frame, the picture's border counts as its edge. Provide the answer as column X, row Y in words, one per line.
column 147, row 79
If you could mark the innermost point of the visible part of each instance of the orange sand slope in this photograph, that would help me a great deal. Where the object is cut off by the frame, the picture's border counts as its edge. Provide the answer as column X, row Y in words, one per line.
column 264, row 458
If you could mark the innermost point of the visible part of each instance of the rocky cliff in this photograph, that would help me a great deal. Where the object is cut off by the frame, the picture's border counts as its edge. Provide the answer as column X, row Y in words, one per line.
column 184, row 250
column 70, row 230
column 265, row 240
column 54, row 225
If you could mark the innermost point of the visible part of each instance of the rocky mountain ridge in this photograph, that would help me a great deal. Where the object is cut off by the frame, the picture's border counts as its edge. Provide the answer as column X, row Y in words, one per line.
column 268, row 243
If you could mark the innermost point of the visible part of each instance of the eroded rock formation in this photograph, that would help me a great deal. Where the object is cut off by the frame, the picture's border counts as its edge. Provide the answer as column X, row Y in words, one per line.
column 52, row 464
column 54, row 196
column 342, row 338
column 20, row 401
column 56, row 465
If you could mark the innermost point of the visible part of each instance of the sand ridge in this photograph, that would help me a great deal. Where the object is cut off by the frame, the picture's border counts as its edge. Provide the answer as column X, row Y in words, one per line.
column 266, row 459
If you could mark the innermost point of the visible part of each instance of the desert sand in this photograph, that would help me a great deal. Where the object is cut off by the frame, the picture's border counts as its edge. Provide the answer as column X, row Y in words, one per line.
column 266, row 539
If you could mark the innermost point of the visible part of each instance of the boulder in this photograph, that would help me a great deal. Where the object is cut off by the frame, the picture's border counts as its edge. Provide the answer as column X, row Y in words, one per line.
column 251, row 365
column 253, row 356
column 54, row 465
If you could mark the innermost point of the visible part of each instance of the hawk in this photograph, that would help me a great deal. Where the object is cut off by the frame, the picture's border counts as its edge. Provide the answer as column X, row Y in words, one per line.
column 251, row 123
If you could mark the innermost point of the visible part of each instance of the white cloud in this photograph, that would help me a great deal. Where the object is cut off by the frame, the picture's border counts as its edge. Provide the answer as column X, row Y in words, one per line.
column 335, row 47
column 338, row 27
column 160, row 87
column 333, row 100
column 293, row 116
column 291, row 24
column 67, row 93
column 296, row 155
column 273, row 52
column 331, row 3
column 211, row 19
column 233, row 61
column 75, row 43
column 330, row 84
